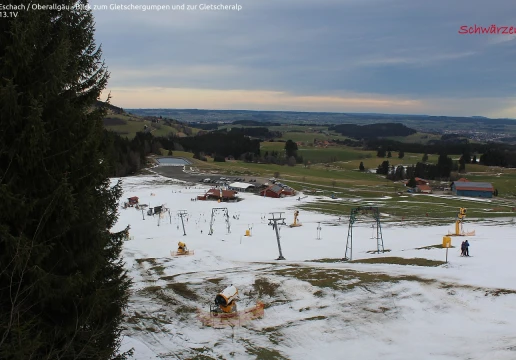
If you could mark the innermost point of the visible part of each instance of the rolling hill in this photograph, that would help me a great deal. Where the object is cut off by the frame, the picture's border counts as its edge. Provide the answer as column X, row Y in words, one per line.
column 126, row 124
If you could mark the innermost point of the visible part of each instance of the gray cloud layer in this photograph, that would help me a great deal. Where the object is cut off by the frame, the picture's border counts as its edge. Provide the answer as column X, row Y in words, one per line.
column 390, row 47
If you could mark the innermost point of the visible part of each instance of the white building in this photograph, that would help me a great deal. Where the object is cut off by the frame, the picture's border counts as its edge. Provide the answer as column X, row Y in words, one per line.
column 240, row 186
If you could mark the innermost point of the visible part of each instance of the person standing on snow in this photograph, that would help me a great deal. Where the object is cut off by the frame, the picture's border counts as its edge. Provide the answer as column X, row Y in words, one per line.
column 466, row 248
column 463, row 249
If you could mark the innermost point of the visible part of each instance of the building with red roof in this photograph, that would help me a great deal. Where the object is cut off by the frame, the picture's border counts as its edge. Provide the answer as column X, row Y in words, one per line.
column 472, row 189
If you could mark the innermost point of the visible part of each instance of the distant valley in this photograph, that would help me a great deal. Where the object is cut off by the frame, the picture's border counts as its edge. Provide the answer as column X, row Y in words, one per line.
column 475, row 128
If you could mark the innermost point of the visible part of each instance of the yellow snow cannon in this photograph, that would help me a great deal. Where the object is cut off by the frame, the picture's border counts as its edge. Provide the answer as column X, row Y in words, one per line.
column 181, row 250
column 226, row 301
column 460, row 218
column 459, row 230
column 295, row 223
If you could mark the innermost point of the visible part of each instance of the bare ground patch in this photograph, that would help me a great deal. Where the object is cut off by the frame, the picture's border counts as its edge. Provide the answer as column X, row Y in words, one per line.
column 401, row 261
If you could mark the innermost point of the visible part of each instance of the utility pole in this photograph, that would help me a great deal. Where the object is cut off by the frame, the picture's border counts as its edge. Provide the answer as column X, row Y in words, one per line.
column 276, row 217
column 142, row 207
column 182, row 213
column 159, row 211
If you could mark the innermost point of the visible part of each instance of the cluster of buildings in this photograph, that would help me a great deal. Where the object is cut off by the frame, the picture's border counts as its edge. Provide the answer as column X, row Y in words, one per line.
column 461, row 187
column 277, row 191
column 322, row 143
column 230, row 193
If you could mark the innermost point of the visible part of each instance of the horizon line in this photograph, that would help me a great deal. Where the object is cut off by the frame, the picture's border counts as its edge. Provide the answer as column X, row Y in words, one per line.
column 321, row 112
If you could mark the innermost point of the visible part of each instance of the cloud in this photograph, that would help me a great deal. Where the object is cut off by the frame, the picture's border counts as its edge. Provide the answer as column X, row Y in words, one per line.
column 221, row 99
column 421, row 60
column 154, row 97
column 498, row 39
column 389, row 48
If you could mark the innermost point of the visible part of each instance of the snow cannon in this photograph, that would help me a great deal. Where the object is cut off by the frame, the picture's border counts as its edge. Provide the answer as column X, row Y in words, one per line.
column 181, row 250
column 226, row 300
column 296, row 223
column 181, row 246
column 459, row 231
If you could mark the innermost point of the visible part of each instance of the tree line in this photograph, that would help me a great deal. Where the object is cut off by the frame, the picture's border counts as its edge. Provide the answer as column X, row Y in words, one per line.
column 127, row 157
column 490, row 154
column 441, row 170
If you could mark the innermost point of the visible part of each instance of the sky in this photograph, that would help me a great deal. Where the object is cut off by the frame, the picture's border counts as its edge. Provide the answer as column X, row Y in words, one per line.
column 385, row 56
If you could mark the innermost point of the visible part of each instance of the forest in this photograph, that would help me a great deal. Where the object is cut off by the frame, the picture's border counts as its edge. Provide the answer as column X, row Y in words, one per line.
column 126, row 157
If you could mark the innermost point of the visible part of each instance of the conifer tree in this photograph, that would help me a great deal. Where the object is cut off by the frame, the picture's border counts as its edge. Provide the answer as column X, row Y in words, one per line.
column 63, row 287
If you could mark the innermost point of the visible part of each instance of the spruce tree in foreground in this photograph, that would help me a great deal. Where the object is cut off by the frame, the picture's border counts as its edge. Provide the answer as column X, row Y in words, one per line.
column 63, row 287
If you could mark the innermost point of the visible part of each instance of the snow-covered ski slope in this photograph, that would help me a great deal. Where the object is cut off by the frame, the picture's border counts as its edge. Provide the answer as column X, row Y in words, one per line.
column 465, row 309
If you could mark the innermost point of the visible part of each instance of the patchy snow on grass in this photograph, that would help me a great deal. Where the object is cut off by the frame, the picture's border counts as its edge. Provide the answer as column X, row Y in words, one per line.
column 327, row 309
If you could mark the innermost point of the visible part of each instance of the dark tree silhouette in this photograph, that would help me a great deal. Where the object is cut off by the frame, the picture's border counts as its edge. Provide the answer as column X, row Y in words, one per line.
column 63, row 286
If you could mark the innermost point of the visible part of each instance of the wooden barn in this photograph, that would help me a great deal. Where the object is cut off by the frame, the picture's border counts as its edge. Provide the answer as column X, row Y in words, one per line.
column 472, row 189
column 276, row 191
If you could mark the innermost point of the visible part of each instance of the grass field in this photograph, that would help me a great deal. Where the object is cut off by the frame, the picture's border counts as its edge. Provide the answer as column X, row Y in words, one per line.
column 317, row 174
column 504, row 182
column 310, row 136
column 183, row 154
column 425, row 209
column 353, row 188
column 349, row 156
column 322, row 155
column 345, row 174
